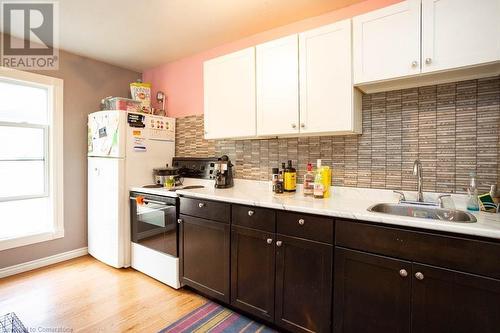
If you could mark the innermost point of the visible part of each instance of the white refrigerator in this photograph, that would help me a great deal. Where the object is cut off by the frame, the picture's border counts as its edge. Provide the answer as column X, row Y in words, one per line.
column 123, row 150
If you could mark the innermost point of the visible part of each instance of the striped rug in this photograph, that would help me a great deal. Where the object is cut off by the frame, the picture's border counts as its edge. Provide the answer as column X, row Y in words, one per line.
column 214, row 318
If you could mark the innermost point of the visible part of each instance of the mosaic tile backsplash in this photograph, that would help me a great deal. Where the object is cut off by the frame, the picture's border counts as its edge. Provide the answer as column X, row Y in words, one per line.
column 452, row 128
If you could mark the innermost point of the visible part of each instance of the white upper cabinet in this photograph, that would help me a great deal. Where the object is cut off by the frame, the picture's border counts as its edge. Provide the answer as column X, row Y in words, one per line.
column 229, row 95
column 278, row 87
column 327, row 97
column 457, row 33
column 386, row 42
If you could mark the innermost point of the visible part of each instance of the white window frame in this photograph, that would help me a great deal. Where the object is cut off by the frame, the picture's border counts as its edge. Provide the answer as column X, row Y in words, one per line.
column 46, row 165
column 53, row 155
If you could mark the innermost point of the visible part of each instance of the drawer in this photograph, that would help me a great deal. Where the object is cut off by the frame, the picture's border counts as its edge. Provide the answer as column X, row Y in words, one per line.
column 457, row 253
column 305, row 226
column 212, row 210
column 254, row 217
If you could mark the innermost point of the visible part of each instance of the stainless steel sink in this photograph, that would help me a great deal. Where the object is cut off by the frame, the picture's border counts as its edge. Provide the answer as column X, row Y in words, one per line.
column 423, row 211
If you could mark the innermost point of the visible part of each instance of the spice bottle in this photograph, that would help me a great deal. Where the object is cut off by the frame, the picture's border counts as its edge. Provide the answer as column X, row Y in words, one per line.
column 308, row 185
column 274, row 178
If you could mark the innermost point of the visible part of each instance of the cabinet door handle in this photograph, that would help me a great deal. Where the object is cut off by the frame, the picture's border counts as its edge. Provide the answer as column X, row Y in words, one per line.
column 294, row 125
column 251, row 212
column 414, row 64
column 302, row 125
column 403, row 273
column 428, row 61
column 301, row 221
column 269, row 241
column 419, row 276
column 179, row 221
column 279, row 243
column 201, row 205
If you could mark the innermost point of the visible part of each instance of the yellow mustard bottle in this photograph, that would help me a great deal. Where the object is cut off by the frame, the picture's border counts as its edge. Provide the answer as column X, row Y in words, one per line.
column 326, row 177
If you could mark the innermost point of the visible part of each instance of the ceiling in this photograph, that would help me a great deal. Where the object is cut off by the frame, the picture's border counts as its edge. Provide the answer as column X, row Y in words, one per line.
column 147, row 33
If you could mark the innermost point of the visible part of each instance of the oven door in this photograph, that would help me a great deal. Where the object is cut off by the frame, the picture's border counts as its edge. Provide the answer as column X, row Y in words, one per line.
column 154, row 222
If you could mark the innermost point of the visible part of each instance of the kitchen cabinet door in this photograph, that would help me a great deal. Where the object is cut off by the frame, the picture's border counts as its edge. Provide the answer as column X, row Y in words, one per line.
column 457, row 33
column 372, row 293
column 386, row 42
column 303, row 285
column 229, row 95
column 278, row 87
column 204, row 256
column 252, row 271
column 449, row 301
column 328, row 102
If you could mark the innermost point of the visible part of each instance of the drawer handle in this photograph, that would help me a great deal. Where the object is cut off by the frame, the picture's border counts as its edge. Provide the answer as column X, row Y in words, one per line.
column 279, row 243
column 301, row 221
column 251, row 212
column 403, row 273
column 419, row 276
column 179, row 221
column 201, row 205
column 269, row 241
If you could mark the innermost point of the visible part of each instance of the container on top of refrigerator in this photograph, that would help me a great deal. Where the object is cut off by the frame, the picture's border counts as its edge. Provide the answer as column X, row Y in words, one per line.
column 120, row 103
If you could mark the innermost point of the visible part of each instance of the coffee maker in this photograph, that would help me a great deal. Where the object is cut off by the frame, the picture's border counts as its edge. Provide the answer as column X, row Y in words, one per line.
column 223, row 172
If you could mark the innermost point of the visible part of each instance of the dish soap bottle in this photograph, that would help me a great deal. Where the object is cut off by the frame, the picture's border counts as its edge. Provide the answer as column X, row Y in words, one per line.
column 308, row 186
column 472, row 201
column 290, row 178
column 319, row 187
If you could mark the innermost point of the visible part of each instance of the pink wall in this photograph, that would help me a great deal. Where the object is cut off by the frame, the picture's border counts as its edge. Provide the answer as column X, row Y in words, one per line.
column 182, row 80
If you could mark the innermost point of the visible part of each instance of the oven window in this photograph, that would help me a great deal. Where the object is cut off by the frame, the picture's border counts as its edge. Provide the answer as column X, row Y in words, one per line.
column 156, row 226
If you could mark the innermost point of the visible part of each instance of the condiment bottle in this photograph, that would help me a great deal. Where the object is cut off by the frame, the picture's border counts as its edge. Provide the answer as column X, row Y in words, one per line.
column 290, row 178
column 326, row 177
column 319, row 187
column 308, row 187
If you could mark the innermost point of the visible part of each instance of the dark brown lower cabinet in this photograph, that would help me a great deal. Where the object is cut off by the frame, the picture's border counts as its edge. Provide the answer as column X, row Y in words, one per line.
column 303, row 285
column 454, row 302
column 372, row 293
column 252, row 271
column 204, row 251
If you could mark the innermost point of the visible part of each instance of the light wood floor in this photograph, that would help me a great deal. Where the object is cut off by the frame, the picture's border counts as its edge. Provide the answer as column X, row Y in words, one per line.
column 87, row 296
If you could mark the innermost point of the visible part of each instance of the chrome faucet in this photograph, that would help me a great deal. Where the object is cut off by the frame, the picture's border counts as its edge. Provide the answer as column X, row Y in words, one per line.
column 417, row 171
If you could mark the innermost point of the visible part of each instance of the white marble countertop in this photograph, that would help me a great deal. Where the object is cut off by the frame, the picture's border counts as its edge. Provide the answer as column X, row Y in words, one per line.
column 346, row 202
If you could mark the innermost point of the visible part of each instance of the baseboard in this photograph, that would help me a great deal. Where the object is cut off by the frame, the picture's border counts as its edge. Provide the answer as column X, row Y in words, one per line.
column 42, row 262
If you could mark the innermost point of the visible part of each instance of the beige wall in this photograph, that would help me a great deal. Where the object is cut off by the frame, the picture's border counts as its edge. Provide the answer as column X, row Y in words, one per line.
column 86, row 81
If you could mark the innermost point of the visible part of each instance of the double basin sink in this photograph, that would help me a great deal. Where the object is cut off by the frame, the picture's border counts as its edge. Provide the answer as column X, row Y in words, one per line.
column 423, row 211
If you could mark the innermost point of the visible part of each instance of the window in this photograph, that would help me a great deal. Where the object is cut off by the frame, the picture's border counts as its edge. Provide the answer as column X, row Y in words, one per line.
column 31, row 201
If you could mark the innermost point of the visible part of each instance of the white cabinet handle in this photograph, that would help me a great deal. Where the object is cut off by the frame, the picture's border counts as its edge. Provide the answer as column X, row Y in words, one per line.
column 419, row 276
column 251, row 212
column 269, row 241
column 294, row 125
column 414, row 64
column 302, row 125
column 302, row 221
column 428, row 61
column 201, row 205
column 279, row 243
column 403, row 273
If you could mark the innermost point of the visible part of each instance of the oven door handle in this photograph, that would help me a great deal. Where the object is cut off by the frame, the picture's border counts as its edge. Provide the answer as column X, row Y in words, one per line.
column 151, row 201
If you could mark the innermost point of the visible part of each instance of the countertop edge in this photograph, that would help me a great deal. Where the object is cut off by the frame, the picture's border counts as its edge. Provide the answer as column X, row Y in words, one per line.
column 423, row 224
